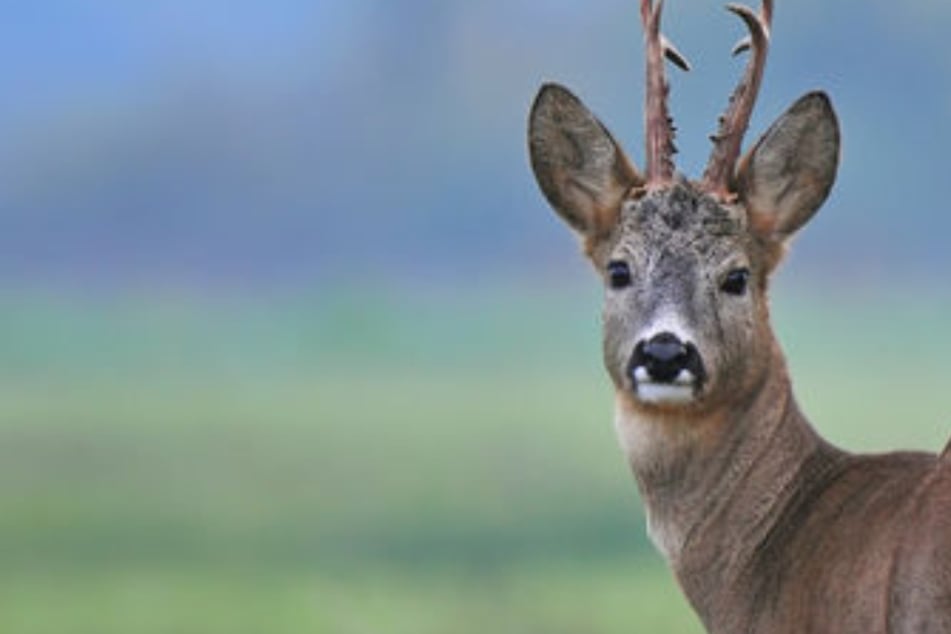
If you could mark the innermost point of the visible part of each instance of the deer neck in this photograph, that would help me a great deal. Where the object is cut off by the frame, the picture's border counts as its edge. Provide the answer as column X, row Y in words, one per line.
column 715, row 487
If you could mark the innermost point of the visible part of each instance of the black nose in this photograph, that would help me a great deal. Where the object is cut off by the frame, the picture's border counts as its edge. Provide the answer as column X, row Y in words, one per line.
column 664, row 356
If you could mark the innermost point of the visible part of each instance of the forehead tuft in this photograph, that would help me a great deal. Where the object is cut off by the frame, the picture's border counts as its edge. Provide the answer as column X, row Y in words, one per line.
column 680, row 211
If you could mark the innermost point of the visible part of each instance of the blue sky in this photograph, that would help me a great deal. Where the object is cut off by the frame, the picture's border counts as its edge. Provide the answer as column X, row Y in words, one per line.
column 308, row 143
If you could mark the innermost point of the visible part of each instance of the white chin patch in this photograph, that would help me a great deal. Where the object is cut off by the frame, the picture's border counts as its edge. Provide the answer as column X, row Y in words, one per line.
column 680, row 391
column 665, row 393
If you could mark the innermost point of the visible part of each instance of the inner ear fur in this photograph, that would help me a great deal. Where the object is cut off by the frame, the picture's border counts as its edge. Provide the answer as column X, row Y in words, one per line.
column 788, row 174
column 580, row 168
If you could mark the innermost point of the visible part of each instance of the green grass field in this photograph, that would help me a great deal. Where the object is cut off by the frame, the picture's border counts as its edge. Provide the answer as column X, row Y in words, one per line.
column 361, row 464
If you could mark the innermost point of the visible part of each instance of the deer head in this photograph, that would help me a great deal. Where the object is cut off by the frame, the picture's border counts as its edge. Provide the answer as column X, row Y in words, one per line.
column 685, row 263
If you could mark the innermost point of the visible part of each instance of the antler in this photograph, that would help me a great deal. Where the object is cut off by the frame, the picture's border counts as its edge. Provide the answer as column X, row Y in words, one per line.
column 659, row 129
column 729, row 137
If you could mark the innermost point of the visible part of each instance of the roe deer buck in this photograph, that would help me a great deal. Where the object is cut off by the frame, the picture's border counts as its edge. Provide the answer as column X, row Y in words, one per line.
column 768, row 527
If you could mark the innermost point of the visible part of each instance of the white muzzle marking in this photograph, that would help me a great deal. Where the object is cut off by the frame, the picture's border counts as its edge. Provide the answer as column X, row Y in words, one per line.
column 680, row 391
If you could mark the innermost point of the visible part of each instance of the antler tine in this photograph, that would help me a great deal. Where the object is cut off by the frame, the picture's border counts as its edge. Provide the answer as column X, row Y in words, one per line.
column 729, row 137
column 659, row 130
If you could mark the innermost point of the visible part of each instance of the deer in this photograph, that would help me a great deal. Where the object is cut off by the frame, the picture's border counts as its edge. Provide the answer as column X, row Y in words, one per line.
column 767, row 527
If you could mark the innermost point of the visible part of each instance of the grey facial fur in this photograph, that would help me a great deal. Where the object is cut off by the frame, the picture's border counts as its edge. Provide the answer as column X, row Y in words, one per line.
column 680, row 244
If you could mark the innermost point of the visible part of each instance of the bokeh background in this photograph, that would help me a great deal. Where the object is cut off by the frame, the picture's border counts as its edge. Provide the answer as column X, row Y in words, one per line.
column 289, row 341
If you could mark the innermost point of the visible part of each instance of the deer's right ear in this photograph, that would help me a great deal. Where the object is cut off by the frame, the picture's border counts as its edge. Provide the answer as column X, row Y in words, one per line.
column 789, row 172
column 582, row 171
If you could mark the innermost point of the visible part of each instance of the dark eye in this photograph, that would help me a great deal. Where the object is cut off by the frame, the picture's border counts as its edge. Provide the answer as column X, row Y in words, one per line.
column 736, row 282
column 619, row 275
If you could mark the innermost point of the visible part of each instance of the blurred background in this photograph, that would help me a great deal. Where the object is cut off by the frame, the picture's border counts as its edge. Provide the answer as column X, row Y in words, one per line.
column 291, row 342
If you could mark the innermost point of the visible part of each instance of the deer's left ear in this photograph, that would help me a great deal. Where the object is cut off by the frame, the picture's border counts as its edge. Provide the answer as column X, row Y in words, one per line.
column 582, row 171
column 787, row 175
